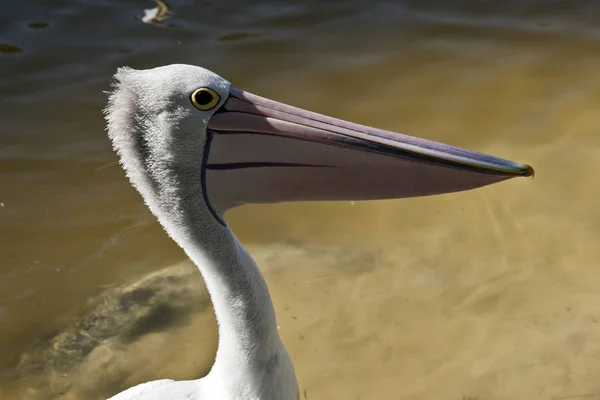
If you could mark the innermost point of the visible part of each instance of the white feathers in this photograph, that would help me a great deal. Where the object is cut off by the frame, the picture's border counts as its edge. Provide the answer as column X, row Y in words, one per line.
column 160, row 138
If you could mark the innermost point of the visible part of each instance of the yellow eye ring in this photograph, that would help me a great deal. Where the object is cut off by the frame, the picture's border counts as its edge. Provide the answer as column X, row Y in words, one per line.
column 205, row 99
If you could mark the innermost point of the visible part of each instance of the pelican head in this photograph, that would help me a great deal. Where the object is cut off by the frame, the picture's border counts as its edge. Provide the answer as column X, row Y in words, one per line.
column 185, row 122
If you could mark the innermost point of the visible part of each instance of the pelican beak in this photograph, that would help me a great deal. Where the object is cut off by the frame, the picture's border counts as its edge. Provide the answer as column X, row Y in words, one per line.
column 263, row 151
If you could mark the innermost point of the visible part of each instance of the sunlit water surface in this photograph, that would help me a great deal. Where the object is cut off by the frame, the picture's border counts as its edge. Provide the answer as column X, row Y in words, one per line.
column 488, row 294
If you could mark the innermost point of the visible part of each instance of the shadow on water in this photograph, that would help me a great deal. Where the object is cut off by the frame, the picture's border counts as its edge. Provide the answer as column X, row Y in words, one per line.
column 110, row 323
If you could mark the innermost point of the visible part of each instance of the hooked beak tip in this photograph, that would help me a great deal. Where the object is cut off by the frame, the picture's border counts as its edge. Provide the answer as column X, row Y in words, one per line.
column 528, row 170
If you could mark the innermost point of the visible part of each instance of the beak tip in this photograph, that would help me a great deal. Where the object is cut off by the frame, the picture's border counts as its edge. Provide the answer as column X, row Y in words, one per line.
column 528, row 170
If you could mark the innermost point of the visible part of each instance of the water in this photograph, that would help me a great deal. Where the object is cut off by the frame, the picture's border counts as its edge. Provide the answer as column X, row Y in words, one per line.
column 490, row 294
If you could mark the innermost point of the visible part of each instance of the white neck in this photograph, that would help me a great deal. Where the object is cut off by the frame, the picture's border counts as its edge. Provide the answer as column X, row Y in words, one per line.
column 248, row 336
column 251, row 360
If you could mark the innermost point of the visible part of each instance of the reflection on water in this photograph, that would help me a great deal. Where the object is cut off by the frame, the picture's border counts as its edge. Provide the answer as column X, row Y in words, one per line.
column 490, row 294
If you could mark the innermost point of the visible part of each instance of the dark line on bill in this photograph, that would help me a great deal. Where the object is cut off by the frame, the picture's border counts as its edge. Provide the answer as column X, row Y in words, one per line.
column 243, row 165
column 486, row 167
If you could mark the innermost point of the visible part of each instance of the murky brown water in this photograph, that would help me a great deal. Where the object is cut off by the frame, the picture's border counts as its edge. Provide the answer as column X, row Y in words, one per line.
column 490, row 294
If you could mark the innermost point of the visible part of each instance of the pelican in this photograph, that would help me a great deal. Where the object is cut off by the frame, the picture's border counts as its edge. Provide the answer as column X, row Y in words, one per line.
column 194, row 147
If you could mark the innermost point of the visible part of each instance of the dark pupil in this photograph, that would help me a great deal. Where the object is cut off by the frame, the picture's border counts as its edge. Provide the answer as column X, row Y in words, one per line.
column 203, row 97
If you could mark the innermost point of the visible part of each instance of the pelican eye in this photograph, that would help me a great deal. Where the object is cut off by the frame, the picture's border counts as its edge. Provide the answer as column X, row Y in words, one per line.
column 205, row 99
